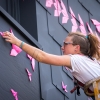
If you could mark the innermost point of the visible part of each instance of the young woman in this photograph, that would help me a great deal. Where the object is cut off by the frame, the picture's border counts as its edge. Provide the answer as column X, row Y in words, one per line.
column 81, row 54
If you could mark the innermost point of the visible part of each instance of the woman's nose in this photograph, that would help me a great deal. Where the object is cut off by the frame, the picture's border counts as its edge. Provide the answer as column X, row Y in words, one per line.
column 62, row 47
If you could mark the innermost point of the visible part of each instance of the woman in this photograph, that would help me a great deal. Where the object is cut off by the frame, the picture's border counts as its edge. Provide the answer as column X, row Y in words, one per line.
column 81, row 54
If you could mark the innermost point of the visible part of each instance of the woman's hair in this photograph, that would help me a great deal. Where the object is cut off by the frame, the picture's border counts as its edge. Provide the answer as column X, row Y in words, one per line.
column 89, row 45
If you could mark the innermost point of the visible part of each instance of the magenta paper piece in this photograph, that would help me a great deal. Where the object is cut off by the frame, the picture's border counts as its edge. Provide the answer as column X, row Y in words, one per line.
column 66, row 68
column 15, row 50
column 75, row 26
column 32, row 61
column 73, row 20
column 1, row 33
column 90, row 30
column 14, row 94
column 82, row 27
column 57, row 12
column 64, row 87
column 49, row 3
column 72, row 14
column 97, row 24
column 29, row 74
column 64, row 12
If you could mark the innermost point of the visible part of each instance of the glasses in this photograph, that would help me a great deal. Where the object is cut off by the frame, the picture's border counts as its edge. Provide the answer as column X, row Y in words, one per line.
column 66, row 43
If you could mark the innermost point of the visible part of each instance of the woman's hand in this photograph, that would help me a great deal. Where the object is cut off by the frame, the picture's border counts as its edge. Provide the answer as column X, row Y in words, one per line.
column 9, row 37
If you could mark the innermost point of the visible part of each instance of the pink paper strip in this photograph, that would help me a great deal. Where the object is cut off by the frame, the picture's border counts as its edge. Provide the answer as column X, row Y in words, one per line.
column 14, row 94
column 64, row 12
column 1, row 33
column 90, row 30
column 49, row 3
column 32, row 61
column 73, row 20
column 75, row 26
column 57, row 11
column 15, row 49
column 97, row 24
column 29, row 74
column 64, row 87
column 82, row 27
column 72, row 14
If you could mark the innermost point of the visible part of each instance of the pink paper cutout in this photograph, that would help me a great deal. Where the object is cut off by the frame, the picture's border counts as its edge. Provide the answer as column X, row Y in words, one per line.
column 29, row 74
column 73, row 20
column 15, row 50
column 64, row 87
column 82, row 28
column 64, row 19
column 49, row 3
column 66, row 68
column 72, row 14
column 64, row 12
column 1, row 33
column 97, row 24
column 90, row 30
column 57, row 12
column 14, row 94
column 32, row 61
column 11, row 31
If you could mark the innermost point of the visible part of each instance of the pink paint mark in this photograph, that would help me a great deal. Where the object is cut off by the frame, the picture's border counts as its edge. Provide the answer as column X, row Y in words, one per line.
column 64, row 12
column 32, row 61
column 29, row 74
column 14, row 94
column 82, row 28
column 49, row 3
column 64, row 87
column 90, row 30
column 97, row 24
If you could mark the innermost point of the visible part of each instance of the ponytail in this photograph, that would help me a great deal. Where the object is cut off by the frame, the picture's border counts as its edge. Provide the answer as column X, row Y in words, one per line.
column 94, row 50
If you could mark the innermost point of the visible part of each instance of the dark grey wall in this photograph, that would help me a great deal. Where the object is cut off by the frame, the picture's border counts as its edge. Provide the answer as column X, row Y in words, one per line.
column 12, row 68
column 51, row 33
column 35, row 24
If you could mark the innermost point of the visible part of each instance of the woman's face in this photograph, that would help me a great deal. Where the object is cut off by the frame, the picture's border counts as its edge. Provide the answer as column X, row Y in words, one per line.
column 68, row 47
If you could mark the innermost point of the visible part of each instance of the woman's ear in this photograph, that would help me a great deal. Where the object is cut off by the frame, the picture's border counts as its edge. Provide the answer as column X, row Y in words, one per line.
column 77, row 48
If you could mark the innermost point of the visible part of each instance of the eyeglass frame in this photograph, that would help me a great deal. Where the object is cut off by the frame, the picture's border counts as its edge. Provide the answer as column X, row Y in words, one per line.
column 67, row 43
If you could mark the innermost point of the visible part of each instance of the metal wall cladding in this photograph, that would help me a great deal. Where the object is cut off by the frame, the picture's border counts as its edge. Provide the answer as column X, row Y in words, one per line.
column 51, row 33
column 12, row 69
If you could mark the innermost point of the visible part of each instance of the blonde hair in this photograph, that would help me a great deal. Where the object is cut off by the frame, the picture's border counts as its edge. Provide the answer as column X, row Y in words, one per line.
column 89, row 45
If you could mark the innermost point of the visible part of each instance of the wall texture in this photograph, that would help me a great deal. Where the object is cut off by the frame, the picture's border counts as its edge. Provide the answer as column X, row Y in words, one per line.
column 37, row 24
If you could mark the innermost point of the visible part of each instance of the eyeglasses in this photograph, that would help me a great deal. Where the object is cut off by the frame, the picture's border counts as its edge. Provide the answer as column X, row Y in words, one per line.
column 66, row 43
